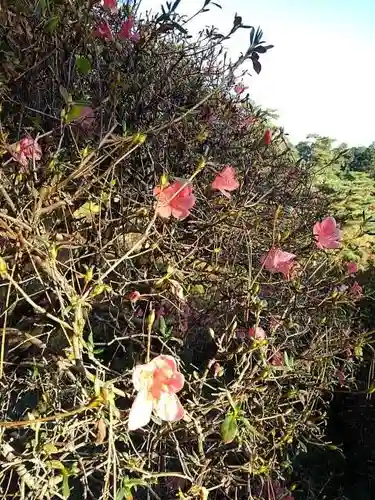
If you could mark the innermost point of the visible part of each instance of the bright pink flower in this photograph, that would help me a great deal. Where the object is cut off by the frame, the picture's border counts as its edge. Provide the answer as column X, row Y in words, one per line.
column 26, row 149
column 240, row 88
column 351, row 267
column 169, row 203
column 103, row 31
column 257, row 333
column 127, row 31
column 157, row 383
column 226, row 181
column 134, row 295
column 356, row 291
column 268, row 137
column 110, row 5
column 277, row 261
column 327, row 233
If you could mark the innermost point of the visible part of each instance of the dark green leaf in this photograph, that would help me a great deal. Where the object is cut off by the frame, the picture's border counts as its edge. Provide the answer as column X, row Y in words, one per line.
column 162, row 325
column 83, row 65
column 257, row 66
column 229, row 429
column 175, row 5
column 52, row 24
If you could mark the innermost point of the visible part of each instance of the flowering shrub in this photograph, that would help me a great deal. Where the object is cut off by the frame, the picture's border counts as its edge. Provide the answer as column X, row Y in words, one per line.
column 118, row 250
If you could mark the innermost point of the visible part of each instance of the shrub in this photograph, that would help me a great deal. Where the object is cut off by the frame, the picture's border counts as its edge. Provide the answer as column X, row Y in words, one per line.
column 95, row 282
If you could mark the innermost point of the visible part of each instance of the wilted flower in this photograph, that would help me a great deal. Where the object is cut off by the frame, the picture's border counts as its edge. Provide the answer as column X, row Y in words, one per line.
column 110, row 5
column 226, row 181
column 240, row 88
column 103, row 31
column 267, row 137
column 127, row 31
column 277, row 261
column 327, row 233
column 26, row 149
column 175, row 199
column 157, row 383
column 356, row 291
column 351, row 267
column 257, row 333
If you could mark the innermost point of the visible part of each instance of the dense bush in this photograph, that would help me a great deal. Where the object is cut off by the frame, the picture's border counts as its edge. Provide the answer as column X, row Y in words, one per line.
column 94, row 282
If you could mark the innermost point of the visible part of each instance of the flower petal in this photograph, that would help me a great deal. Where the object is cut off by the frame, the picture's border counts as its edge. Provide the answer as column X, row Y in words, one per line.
column 169, row 408
column 140, row 412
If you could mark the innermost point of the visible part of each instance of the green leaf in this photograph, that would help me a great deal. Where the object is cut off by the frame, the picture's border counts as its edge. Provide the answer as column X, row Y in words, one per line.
column 88, row 210
column 162, row 326
column 74, row 113
column 65, row 95
column 52, row 24
column 65, row 487
column 229, row 428
column 83, row 65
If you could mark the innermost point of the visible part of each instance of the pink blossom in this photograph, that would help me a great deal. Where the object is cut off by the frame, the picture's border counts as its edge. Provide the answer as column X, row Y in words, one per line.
column 240, row 88
column 157, row 383
column 351, row 267
column 277, row 261
column 103, row 31
column 110, row 5
column 267, row 137
column 226, row 181
column 257, row 333
column 356, row 291
column 127, row 31
column 26, row 149
column 327, row 233
column 175, row 199
column 134, row 295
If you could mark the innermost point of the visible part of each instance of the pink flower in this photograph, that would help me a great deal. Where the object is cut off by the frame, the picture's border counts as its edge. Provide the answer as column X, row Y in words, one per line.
column 110, row 5
column 87, row 120
column 226, row 181
column 26, row 149
column 257, row 333
column 268, row 137
column 126, row 31
column 351, row 267
column 327, row 233
column 157, row 383
column 356, row 291
column 103, row 31
column 134, row 295
column 240, row 88
column 277, row 261
column 172, row 200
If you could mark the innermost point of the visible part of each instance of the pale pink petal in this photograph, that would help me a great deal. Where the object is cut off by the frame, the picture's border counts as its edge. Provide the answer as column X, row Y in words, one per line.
column 351, row 267
column 176, row 383
column 164, row 211
column 140, row 412
column 169, row 408
column 165, row 361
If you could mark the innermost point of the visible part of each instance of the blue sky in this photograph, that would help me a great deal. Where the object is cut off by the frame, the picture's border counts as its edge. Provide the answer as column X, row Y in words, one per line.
column 320, row 76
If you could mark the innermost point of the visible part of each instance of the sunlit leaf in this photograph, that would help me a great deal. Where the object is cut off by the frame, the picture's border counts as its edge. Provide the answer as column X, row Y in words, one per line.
column 229, row 428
